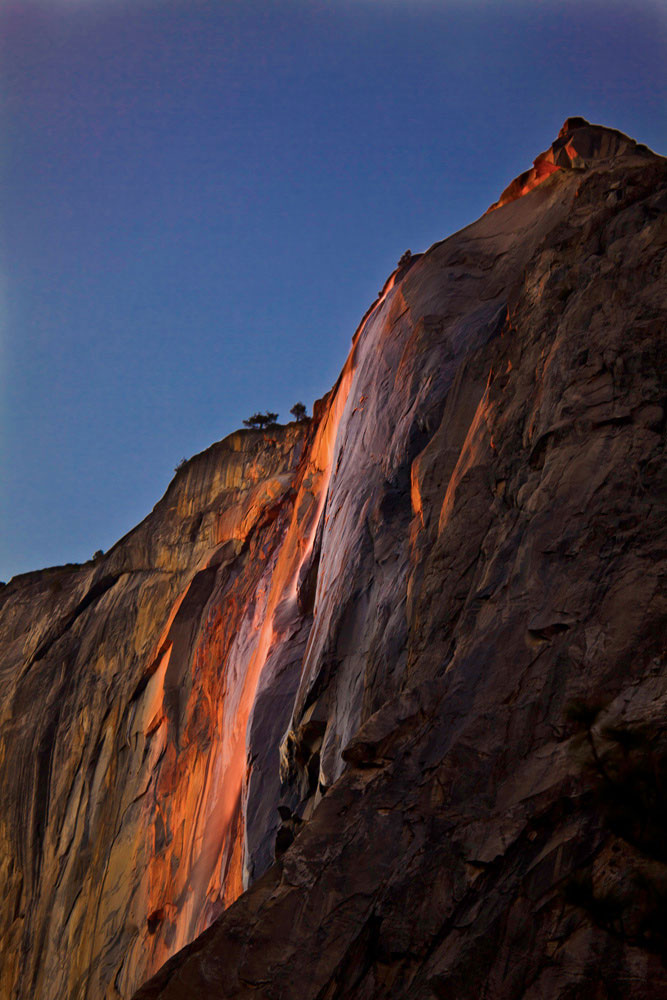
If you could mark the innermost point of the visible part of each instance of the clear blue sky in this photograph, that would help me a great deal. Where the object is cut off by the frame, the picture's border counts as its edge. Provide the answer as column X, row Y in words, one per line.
column 200, row 199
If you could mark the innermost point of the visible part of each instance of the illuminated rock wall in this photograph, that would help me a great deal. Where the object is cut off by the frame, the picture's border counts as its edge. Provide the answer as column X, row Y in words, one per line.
column 332, row 666
column 124, row 716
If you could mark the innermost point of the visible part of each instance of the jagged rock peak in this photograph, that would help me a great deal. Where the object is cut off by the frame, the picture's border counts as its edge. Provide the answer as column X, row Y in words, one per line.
column 579, row 141
column 579, row 146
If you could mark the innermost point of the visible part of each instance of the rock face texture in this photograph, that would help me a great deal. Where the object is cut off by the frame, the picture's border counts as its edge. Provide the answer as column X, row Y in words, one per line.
column 384, row 670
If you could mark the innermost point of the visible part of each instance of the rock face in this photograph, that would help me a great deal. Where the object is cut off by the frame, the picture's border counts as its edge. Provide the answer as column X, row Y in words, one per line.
column 379, row 670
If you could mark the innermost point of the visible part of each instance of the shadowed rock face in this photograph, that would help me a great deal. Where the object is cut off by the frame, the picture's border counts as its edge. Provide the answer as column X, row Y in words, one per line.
column 333, row 666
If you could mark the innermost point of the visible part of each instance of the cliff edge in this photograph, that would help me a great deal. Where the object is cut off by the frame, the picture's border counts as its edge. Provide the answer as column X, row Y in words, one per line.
column 374, row 705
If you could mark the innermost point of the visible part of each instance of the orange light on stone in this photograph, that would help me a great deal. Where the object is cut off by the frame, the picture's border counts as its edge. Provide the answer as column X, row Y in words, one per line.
column 199, row 871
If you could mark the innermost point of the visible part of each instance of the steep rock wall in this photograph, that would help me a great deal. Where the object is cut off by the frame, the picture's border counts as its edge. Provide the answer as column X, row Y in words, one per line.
column 122, row 740
column 493, row 552
column 363, row 633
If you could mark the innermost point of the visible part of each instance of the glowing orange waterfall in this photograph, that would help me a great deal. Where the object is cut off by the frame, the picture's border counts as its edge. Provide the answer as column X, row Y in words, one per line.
column 199, row 796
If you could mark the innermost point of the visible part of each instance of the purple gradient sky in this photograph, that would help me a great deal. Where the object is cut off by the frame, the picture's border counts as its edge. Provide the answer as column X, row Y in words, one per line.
column 201, row 199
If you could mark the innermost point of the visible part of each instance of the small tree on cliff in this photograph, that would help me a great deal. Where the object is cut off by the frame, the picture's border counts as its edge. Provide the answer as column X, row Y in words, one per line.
column 260, row 421
column 405, row 259
column 298, row 411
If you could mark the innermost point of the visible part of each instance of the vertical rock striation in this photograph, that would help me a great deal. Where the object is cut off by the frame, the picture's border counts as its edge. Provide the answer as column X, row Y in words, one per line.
column 122, row 747
column 335, row 666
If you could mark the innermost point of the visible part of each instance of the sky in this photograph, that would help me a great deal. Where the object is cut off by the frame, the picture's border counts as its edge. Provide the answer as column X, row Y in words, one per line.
column 201, row 199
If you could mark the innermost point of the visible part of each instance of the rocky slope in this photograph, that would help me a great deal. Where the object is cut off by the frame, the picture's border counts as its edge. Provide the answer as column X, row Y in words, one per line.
column 388, row 670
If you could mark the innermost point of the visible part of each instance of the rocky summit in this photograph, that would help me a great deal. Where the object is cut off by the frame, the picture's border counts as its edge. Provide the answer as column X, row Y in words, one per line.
column 373, row 705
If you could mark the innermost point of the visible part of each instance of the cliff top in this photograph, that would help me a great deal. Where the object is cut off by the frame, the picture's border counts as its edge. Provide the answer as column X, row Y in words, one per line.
column 579, row 146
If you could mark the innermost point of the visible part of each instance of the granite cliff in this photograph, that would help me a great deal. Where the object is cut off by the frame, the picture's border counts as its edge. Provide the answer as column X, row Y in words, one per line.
column 359, row 710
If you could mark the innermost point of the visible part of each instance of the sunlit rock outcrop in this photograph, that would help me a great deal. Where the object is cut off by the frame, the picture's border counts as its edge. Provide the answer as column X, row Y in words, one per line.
column 579, row 146
column 336, row 666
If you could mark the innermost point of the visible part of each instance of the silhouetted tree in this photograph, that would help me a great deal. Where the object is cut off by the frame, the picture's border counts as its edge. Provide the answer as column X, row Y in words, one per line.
column 405, row 259
column 260, row 421
column 298, row 411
